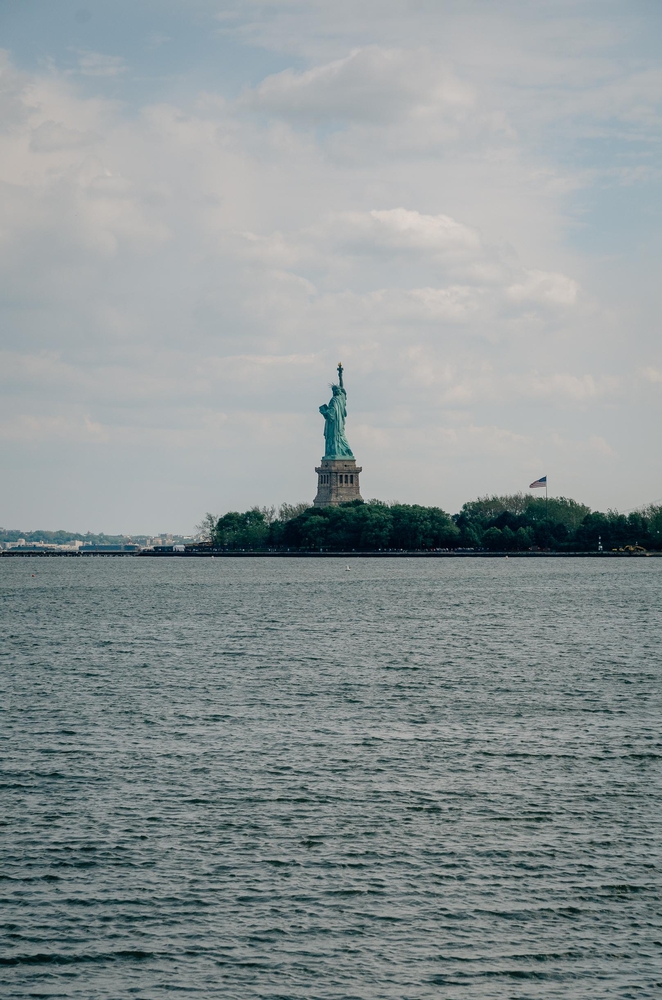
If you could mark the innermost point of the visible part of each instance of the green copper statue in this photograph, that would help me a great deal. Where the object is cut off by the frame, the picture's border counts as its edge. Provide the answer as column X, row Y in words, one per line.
column 335, row 415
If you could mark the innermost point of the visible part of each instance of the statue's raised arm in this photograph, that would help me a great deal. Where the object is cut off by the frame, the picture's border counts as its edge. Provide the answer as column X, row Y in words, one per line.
column 334, row 415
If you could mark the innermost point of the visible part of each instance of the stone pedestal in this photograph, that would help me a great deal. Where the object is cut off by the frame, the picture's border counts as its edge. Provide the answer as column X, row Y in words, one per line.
column 337, row 481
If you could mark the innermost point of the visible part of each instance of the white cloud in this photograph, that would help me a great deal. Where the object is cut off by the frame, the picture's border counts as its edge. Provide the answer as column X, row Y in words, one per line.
column 99, row 64
column 598, row 444
column 558, row 388
column 477, row 441
column 30, row 429
column 545, row 287
column 51, row 136
column 156, row 40
column 405, row 230
column 473, row 280
column 14, row 107
column 371, row 84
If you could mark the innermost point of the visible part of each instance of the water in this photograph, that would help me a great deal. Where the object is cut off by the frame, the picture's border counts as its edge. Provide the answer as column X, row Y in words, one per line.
column 277, row 778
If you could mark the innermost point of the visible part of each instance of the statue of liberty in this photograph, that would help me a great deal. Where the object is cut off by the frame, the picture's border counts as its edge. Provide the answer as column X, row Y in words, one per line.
column 335, row 414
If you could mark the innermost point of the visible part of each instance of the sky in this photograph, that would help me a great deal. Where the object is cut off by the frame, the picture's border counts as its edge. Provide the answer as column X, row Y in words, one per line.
column 204, row 206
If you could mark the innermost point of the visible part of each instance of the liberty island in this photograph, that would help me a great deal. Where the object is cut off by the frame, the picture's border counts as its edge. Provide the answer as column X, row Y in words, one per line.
column 339, row 522
column 338, row 473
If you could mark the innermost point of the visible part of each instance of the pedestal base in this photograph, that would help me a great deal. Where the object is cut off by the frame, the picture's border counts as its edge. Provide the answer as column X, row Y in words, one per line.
column 337, row 481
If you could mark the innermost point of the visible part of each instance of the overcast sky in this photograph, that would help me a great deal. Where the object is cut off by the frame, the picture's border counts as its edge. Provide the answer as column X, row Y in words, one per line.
column 204, row 206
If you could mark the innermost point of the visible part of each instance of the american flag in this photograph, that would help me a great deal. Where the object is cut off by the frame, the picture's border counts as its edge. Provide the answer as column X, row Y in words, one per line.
column 539, row 483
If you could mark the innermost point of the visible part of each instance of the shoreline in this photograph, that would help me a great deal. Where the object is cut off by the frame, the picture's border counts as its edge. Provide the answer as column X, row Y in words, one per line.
column 259, row 554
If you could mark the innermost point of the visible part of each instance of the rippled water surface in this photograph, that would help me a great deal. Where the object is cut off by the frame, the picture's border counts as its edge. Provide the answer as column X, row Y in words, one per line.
column 279, row 778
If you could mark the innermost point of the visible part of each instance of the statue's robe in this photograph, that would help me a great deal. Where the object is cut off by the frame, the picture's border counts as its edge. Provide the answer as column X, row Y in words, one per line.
column 334, row 415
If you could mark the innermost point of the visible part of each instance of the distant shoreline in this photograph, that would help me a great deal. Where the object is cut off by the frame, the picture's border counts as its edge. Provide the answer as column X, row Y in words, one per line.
column 260, row 554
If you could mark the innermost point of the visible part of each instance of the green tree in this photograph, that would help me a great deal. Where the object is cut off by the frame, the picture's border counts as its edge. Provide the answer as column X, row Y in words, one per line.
column 369, row 526
column 470, row 537
column 416, row 527
column 523, row 539
column 652, row 515
column 375, row 528
column 313, row 532
column 493, row 539
column 207, row 527
column 287, row 511
column 508, row 537
column 242, row 531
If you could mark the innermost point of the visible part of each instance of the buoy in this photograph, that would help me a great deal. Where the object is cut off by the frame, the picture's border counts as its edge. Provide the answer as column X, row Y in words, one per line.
column 346, row 568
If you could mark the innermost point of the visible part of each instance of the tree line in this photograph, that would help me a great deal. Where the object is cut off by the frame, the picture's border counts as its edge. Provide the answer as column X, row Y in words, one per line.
column 60, row 537
column 514, row 522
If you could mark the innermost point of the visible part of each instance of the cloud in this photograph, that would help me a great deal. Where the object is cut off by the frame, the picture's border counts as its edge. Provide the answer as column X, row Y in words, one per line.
column 15, row 107
column 401, row 229
column 558, row 388
column 99, row 64
column 543, row 287
column 52, row 136
column 602, row 447
column 28, row 429
column 475, row 440
column 473, row 281
column 156, row 39
column 371, row 84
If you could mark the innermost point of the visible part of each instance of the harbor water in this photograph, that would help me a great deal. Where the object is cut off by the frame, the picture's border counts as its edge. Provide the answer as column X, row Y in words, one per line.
column 254, row 778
